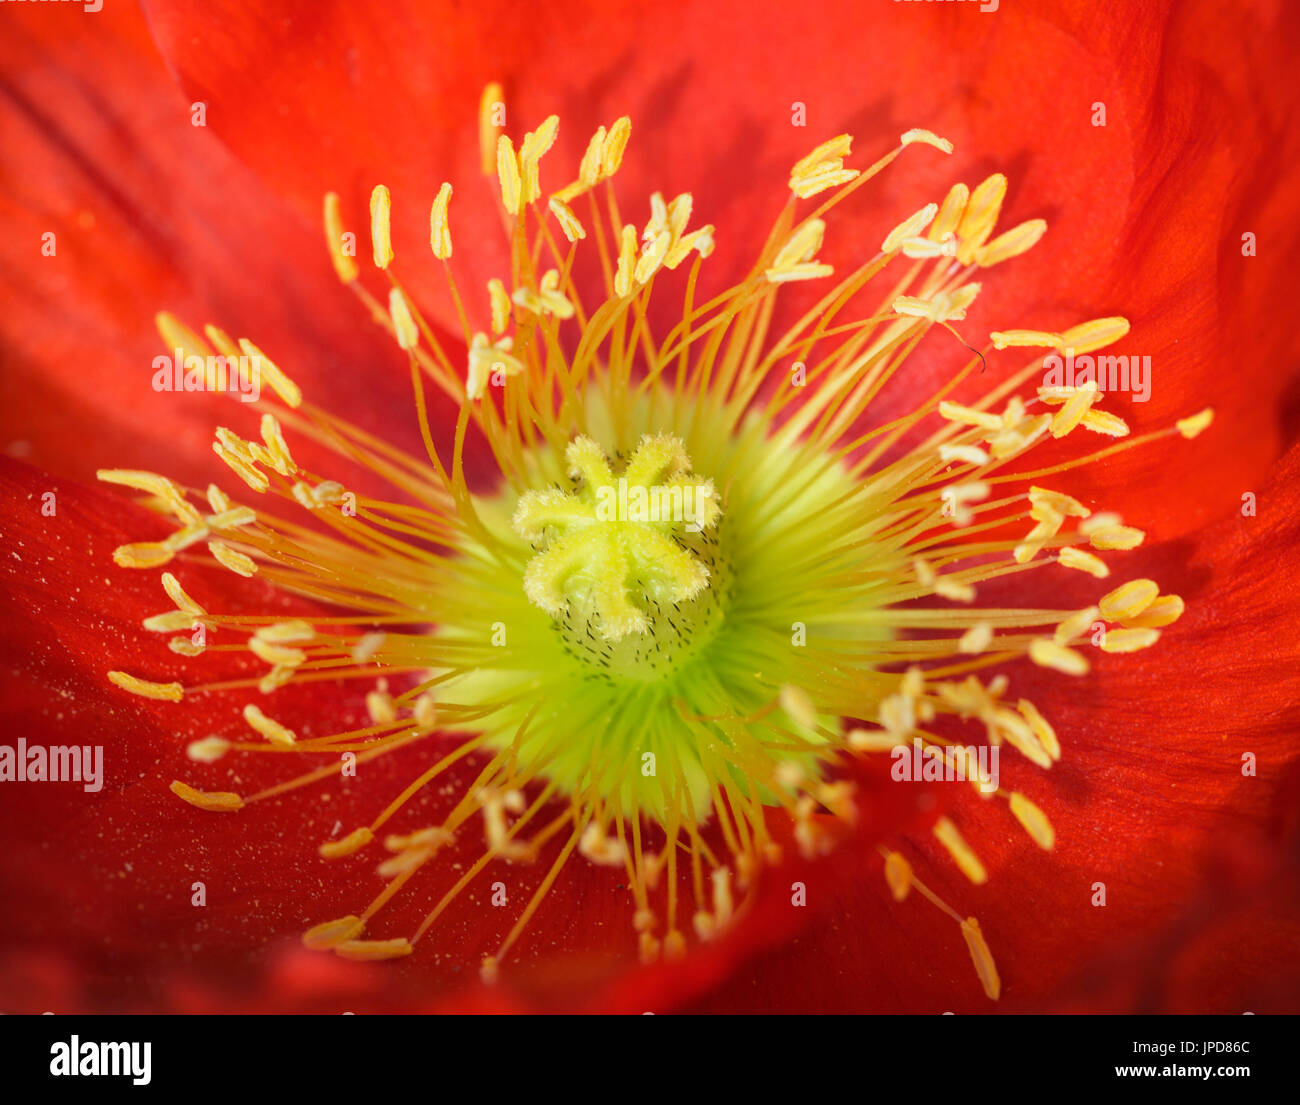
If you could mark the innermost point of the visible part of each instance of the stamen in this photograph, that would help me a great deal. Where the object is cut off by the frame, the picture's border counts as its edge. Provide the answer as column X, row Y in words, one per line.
column 408, row 337
column 215, row 801
column 381, row 239
column 982, row 958
column 1048, row 654
column 962, row 853
column 164, row 692
column 344, row 264
column 439, row 232
column 1013, row 243
column 658, row 622
column 348, row 845
column 916, row 134
column 330, row 934
column 1034, row 821
column 1129, row 640
column 1196, row 424
column 1129, row 599
column 898, row 874
column 272, row 730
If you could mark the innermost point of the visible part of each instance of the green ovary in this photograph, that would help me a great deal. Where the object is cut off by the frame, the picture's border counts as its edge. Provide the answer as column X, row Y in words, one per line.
column 656, row 719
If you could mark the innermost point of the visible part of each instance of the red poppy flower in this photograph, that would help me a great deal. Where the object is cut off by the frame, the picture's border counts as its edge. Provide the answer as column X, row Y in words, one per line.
column 174, row 158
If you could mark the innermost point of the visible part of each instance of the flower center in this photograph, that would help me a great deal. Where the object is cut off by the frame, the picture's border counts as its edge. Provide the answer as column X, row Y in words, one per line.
column 627, row 556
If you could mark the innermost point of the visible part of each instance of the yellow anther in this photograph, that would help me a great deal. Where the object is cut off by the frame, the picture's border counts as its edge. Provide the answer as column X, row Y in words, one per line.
column 177, row 594
column 272, row 730
column 142, row 554
column 1082, row 561
column 963, row 855
column 980, row 955
column 486, row 359
column 597, row 847
column 233, row 559
column 439, row 227
column 928, row 137
column 833, row 150
column 723, row 905
column 1018, row 240
column 873, row 740
column 1195, row 424
column 568, row 221
column 531, row 149
column 1042, row 729
column 1088, row 337
column 508, row 175
column 679, row 214
column 170, row 622
column 1076, row 625
column 898, row 874
column 348, row 845
column 611, row 154
column 1166, row 610
column 823, row 168
column 1042, row 339
column 1048, row 654
column 179, row 336
column 802, row 271
column 184, row 538
column 1058, row 501
column 379, row 704
column 330, row 934
column 164, row 692
column 345, row 265
column 1075, row 407
column 1103, row 422
column 1128, row 600
column 500, row 303
column 381, row 239
column 802, row 245
column 699, row 240
column 944, row 307
column 218, row 801
column 820, row 181
column 275, row 655
column 980, row 216
column 626, row 262
column 285, row 388
column 426, row 712
column 404, row 328
column 965, row 454
column 922, row 249
column 1116, row 537
column 652, row 257
column 950, row 213
column 367, row 647
column 1129, row 640
column 491, row 118
column 1033, row 819
column 911, row 227
column 208, row 750
column 274, row 438
column 221, row 341
column 955, row 412
column 589, row 169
